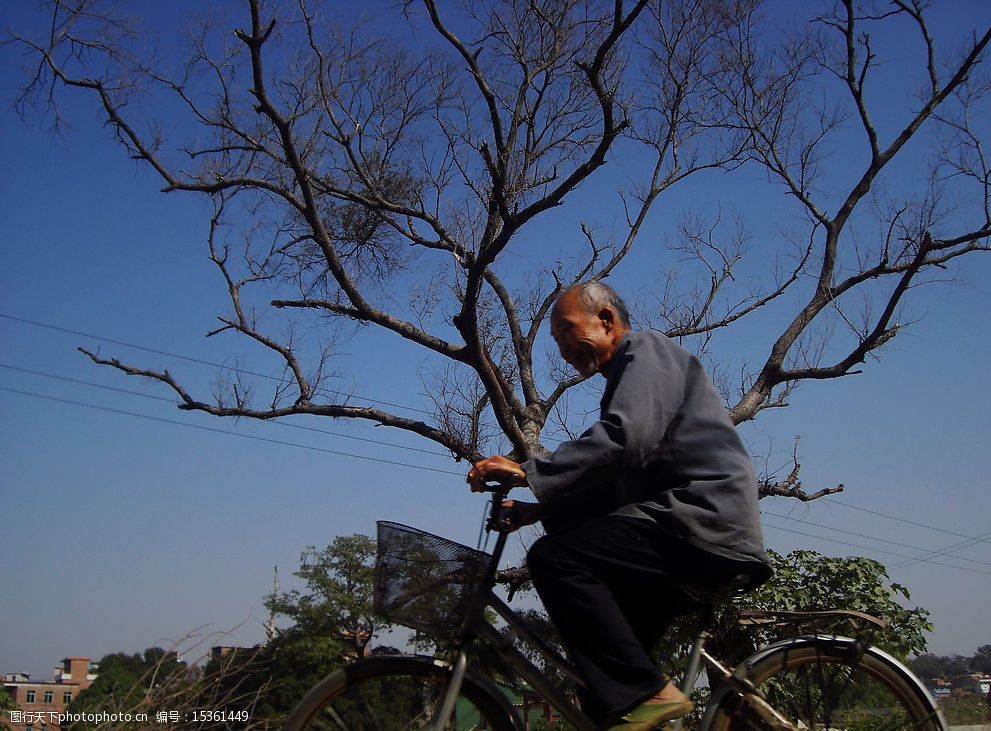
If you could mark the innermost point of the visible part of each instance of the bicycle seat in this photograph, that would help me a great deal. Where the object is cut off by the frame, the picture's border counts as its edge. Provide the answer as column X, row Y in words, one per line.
column 725, row 591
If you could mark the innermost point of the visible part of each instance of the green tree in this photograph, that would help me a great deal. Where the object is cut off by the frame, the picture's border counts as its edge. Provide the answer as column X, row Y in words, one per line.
column 241, row 680
column 957, row 665
column 808, row 581
column 131, row 684
column 946, row 666
column 337, row 599
column 929, row 667
column 6, row 704
column 331, row 620
column 981, row 661
column 158, row 681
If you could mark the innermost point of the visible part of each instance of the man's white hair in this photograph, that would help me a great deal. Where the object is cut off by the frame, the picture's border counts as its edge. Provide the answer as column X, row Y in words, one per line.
column 595, row 295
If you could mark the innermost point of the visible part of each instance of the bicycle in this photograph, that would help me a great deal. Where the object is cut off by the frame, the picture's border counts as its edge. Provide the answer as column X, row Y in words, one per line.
column 813, row 682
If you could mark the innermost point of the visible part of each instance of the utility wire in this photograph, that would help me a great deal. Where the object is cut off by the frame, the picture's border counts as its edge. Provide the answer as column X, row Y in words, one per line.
column 910, row 560
column 401, row 464
column 948, row 551
column 229, row 433
column 88, row 383
column 937, row 552
column 190, row 359
column 433, row 469
column 267, row 421
column 903, row 520
column 874, row 549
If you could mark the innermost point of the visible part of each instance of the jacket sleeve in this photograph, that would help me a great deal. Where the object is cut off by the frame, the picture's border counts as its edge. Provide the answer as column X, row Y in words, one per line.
column 642, row 396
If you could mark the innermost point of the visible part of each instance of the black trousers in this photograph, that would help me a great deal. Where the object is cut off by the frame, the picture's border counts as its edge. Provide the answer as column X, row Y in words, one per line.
column 610, row 585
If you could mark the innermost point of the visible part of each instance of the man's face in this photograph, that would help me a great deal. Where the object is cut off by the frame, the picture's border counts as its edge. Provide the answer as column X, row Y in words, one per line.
column 587, row 340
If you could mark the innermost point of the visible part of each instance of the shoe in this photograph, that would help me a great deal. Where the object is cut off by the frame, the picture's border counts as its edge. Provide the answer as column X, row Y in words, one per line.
column 651, row 715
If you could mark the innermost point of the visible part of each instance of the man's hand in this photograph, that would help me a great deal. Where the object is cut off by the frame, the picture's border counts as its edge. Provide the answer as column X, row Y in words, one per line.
column 523, row 513
column 495, row 469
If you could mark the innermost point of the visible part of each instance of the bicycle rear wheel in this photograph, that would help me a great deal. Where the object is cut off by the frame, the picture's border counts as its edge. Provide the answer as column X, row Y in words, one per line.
column 396, row 694
column 825, row 684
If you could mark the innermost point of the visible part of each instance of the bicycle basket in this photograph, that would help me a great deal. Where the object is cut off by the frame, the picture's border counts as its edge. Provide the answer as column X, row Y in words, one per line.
column 424, row 581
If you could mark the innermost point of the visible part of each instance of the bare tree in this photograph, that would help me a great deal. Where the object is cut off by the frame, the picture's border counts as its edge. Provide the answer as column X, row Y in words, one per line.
column 790, row 134
column 386, row 181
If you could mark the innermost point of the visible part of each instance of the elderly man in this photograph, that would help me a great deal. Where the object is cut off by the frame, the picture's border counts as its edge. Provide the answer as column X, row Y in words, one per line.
column 657, row 494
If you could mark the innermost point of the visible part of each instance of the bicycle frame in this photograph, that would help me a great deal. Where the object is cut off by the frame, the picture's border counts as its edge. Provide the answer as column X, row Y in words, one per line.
column 504, row 645
column 729, row 679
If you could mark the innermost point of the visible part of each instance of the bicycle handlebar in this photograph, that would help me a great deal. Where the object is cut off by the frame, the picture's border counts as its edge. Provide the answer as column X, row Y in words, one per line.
column 499, row 488
column 501, row 519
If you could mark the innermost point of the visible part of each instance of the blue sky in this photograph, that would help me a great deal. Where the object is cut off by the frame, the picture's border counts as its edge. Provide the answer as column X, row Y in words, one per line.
column 127, row 523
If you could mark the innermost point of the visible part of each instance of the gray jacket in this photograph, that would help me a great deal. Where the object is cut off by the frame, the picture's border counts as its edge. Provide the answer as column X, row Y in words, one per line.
column 664, row 449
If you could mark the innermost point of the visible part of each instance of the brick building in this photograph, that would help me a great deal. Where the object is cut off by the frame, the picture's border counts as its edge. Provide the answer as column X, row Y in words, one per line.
column 40, row 702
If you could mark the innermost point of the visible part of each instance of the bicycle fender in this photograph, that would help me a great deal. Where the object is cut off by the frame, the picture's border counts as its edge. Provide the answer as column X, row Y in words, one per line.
column 835, row 642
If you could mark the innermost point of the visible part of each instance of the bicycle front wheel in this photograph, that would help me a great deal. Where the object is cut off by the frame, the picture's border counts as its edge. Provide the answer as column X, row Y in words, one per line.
column 825, row 684
column 397, row 694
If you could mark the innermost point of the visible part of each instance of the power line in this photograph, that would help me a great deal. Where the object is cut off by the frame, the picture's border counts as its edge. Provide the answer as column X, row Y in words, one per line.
column 910, row 560
column 903, row 520
column 948, row 551
column 876, row 550
column 87, row 383
column 939, row 552
column 267, row 421
column 449, row 472
column 229, row 433
column 445, row 472
column 190, row 359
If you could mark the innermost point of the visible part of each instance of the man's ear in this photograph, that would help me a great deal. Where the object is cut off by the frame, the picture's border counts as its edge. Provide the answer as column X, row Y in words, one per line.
column 608, row 318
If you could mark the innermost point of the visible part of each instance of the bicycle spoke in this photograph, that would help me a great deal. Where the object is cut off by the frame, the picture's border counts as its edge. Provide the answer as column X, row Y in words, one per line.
column 823, row 690
column 393, row 703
